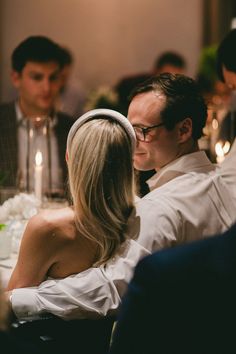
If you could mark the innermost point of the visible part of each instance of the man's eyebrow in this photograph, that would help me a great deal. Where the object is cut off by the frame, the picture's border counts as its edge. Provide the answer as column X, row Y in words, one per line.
column 35, row 72
column 55, row 72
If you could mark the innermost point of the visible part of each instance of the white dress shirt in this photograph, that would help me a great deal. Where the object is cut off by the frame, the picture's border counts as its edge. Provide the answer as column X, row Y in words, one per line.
column 188, row 201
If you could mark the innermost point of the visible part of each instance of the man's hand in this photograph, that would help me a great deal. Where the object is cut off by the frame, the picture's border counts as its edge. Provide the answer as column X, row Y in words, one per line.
column 11, row 314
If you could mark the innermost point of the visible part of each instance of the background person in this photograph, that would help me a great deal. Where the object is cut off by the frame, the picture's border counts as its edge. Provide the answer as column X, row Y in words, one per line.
column 217, row 96
column 169, row 61
column 36, row 66
column 226, row 69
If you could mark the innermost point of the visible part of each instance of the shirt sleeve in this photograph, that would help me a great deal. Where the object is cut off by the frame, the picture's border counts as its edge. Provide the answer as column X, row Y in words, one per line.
column 93, row 293
column 97, row 292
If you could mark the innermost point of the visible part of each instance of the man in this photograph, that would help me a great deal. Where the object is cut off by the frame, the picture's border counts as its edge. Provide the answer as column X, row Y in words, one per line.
column 226, row 60
column 10, row 344
column 226, row 69
column 181, row 300
column 193, row 283
column 168, row 61
column 188, row 201
column 36, row 66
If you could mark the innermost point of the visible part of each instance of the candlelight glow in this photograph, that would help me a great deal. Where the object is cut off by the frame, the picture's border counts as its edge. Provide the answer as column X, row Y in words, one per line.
column 215, row 124
column 221, row 150
column 31, row 133
column 38, row 158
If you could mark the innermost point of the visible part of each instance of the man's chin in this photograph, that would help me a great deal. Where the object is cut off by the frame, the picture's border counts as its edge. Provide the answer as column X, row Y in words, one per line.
column 46, row 105
column 140, row 167
column 45, row 110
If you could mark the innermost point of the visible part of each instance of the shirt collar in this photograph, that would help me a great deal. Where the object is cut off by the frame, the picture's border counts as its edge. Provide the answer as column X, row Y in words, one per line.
column 19, row 114
column 21, row 119
column 194, row 162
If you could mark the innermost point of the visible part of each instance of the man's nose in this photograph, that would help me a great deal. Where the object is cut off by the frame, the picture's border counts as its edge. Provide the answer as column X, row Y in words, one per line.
column 137, row 145
column 46, row 85
column 137, row 142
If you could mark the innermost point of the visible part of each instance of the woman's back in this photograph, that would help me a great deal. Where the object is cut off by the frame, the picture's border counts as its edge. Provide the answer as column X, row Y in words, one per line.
column 75, row 253
column 52, row 247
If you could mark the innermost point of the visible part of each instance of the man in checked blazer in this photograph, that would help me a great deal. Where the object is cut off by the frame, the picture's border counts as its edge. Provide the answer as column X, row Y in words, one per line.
column 36, row 66
column 182, row 300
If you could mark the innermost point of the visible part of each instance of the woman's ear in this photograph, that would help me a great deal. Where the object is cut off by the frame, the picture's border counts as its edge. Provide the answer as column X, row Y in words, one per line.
column 185, row 130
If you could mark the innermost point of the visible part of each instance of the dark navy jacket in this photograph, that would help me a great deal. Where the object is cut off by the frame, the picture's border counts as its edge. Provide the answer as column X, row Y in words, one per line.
column 182, row 300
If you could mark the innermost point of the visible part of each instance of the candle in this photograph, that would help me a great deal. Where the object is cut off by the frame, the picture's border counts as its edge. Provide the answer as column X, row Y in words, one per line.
column 38, row 174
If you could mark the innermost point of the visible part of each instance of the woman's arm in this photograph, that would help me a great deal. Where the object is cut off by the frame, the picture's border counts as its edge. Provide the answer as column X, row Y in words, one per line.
column 36, row 254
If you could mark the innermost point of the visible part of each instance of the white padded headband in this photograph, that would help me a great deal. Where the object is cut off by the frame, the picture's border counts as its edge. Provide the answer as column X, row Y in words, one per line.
column 122, row 120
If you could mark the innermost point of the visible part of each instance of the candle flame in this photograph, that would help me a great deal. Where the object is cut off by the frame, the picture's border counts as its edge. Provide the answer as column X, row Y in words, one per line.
column 38, row 158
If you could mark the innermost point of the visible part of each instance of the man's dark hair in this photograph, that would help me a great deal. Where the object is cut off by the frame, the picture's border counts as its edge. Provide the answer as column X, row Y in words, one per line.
column 226, row 54
column 36, row 49
column 171, row 58
column 67, row 57
column 183, row 100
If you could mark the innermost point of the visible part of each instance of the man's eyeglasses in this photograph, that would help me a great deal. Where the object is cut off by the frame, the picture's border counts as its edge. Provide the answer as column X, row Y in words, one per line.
column 142, row 134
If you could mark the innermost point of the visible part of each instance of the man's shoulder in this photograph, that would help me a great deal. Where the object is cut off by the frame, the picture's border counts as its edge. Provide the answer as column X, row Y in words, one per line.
column 7, row 114
column 63, row 115
column 64, row 119
column 7, row 107
column 176, row 195
column 133, row 79
column 128, row 83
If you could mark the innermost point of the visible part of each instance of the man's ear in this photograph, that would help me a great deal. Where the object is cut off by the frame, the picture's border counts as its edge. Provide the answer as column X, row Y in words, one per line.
column 15, row 78
column 185, row 130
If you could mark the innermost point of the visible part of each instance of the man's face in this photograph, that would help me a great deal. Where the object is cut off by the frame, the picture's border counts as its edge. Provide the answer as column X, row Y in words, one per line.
column 229, row 78
column 169, row 68
column 144, row 111
column 38, row 85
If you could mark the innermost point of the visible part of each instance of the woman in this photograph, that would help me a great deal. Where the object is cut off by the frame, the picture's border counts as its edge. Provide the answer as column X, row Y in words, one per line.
column 57, row 243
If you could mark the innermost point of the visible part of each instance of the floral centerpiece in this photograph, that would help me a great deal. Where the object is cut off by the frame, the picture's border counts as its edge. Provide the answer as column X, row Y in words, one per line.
column 14, row 214
column 103, row 97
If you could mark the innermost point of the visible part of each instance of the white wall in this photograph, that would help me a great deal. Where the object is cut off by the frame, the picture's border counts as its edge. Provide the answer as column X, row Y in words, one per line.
column 109, row 38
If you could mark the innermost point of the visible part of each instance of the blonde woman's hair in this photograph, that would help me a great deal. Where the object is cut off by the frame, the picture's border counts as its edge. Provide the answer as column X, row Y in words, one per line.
column 101, row 182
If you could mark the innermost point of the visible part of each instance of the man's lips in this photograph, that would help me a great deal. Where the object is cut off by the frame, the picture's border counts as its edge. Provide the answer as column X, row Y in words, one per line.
column 138, row 153
column 46, row 98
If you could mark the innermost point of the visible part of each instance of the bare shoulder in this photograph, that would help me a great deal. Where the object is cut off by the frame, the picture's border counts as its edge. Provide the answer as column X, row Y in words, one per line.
column 54, row 222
